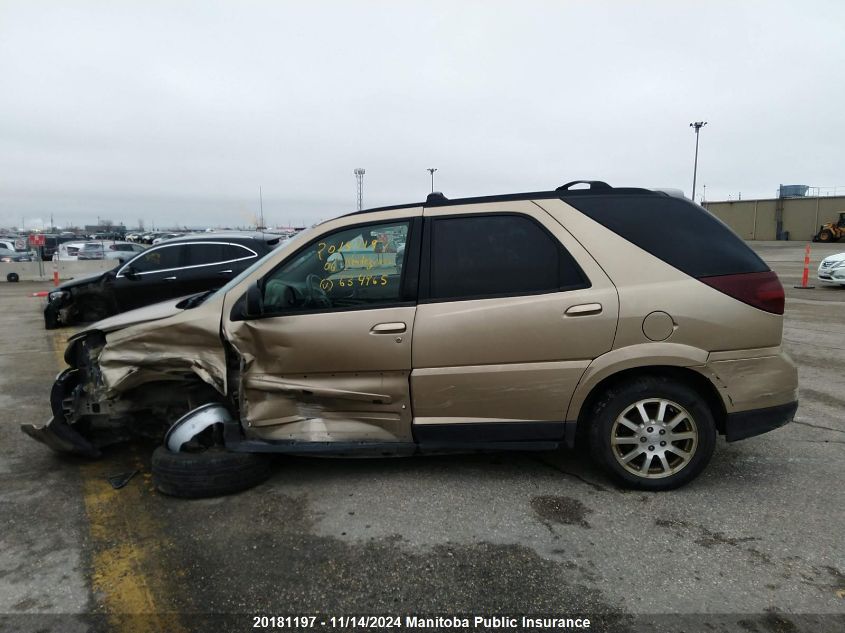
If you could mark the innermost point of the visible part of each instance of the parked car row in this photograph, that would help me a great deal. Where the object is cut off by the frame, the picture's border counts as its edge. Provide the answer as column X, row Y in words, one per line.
column 73, row 251
column 175, row 268
column 625, row 322
column 10, row 255
column 152, row 237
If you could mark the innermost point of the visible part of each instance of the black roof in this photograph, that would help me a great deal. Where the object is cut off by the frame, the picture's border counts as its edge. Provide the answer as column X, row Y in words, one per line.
column 563, row 192
column 247, row 238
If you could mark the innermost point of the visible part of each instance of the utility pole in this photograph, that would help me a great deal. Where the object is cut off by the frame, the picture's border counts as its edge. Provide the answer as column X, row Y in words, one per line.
column 359, row 178
column 261, row 208
column 704, row 195
column 431, row 170
column 697, row 125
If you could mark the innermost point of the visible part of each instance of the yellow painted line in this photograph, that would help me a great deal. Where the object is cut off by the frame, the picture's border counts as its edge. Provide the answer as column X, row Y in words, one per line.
column 59, row 343
column 128, row 573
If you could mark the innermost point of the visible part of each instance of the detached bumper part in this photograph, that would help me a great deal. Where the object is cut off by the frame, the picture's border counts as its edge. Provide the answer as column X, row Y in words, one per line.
column 744, row 424
column 62, row 438
column 57, row 433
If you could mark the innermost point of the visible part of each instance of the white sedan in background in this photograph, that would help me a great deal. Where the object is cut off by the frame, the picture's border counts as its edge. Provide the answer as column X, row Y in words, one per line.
column 832, row 269
column 122, row 250
column 69, row 251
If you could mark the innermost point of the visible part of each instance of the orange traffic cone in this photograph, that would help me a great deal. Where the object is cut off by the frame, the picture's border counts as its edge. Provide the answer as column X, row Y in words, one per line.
column 806, row 276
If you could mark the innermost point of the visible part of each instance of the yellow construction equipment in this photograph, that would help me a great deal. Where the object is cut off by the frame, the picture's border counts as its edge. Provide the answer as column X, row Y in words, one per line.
column 831, row 231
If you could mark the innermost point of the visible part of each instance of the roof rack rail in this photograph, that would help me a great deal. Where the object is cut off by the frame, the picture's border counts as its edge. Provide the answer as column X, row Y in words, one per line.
column 594, row 185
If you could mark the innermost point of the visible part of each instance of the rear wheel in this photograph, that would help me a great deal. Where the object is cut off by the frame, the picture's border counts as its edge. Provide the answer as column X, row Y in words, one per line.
column 210, row 473
column 652, row 433
column 825, row 236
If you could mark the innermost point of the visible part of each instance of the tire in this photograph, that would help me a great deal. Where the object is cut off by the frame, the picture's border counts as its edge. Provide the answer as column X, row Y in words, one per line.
column 13, row 278
column 51, row 320
column 825, row 236
column 615, row 433
column 211, row 473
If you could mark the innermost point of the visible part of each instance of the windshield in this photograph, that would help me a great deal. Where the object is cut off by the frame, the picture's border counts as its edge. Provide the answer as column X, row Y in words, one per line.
column 246, row 273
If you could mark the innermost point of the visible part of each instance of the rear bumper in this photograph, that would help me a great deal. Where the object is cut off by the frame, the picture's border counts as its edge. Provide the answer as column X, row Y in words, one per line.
column 744, row 424
column 753, row 380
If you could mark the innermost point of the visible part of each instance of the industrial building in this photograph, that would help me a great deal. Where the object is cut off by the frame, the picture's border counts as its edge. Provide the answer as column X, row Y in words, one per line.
column 791, row 216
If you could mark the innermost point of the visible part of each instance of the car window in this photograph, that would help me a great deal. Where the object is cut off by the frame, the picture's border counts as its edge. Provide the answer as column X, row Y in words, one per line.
column 92, row 247
column 494, row 255
column 350, row 268
column 236, row 251
column 158, row 259
column 203, row 253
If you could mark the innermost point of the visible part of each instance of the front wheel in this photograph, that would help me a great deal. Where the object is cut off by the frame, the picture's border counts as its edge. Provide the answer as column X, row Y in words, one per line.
column 825, row 236
column 210, row 473
column 652, row 433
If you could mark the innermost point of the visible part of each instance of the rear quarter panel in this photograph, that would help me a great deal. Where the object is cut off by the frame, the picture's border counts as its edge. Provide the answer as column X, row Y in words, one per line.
column 704, row 321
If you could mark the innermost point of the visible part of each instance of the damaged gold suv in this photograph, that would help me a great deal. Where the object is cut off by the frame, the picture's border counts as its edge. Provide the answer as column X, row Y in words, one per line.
column 627, row 321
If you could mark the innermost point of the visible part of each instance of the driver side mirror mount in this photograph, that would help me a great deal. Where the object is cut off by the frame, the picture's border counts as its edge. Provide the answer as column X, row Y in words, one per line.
column 253, row 305
column 130, row 273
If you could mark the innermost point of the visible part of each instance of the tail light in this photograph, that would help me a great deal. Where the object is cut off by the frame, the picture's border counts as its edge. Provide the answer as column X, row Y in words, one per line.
column 761, row 290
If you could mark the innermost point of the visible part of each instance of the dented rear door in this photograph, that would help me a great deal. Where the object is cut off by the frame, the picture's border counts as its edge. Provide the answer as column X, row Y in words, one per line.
column 329, row 359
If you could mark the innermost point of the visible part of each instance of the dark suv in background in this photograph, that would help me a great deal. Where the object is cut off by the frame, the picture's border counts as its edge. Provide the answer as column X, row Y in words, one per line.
column 178, row 267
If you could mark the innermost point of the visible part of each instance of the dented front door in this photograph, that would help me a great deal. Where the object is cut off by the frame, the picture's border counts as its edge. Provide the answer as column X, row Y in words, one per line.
column 329, row 359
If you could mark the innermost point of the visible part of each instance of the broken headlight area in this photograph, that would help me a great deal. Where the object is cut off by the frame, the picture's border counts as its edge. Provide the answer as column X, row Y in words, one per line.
column 58, row 296
column 87, row 416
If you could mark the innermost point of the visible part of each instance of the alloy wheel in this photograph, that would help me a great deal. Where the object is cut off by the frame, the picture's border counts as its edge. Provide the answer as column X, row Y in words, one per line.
column 654, row 438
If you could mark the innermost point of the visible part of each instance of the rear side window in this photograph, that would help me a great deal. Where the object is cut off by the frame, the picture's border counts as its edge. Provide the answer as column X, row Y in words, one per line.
column 677, row 231
column 200, row 254
column 496, row 255
column 234, row 251
column 158, row 259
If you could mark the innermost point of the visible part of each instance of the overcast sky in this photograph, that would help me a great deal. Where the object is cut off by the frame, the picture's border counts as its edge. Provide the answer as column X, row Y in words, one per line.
column 176, row 112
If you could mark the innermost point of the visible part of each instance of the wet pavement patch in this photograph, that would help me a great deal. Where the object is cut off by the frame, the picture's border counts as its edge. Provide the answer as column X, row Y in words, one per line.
column 561, row 510
column 279, row 560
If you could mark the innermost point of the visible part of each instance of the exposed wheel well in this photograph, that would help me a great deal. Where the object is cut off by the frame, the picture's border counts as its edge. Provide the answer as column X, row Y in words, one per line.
column 681, row 374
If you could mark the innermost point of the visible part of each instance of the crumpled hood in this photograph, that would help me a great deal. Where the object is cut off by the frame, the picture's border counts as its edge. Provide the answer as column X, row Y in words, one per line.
column 160, row 343
column 838, row 257
column 133, row 317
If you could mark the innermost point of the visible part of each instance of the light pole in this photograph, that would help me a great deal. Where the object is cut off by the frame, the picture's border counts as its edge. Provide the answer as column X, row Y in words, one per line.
column 431, row 170
column 697, row 125
column 359, row 179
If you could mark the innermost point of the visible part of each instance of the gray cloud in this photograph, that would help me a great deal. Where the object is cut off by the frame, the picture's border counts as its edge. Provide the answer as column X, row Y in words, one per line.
column 179, row 111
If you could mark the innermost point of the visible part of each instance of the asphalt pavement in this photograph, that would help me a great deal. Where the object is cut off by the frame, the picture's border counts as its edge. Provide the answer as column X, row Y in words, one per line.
column 757, row 543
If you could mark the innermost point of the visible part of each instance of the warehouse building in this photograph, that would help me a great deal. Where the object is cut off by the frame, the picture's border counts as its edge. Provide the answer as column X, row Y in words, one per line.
column 789, row 217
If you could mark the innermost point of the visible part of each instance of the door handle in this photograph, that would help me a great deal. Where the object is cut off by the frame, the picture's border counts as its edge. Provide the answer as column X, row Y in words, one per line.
column 388, row 328
column 170, row 279
column 585, row 309
column 224, row 272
